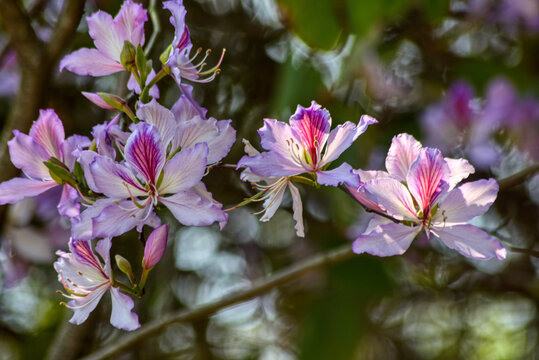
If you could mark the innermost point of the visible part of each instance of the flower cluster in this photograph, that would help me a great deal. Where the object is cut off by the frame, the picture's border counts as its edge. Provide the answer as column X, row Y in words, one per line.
column 148, row 158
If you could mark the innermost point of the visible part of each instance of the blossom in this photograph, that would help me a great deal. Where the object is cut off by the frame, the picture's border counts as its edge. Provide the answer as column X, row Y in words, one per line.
column 109, row 36
column 419, row 191
column 273, row 192
column 46, row 140
column 180, row 59
column 86, row 280
column 146, row 179
column 155, row 246
column 306, row 146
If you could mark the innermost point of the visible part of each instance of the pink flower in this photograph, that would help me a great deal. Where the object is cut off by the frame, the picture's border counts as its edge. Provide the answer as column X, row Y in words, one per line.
column 419, row 191
column 155, row 246
column 86, row 280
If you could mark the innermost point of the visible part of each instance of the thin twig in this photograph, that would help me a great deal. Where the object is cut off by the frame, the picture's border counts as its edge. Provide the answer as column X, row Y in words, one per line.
column 155, row 327
column 156, row 27
column 530, row 252
column 64, row 30
column 519, row 177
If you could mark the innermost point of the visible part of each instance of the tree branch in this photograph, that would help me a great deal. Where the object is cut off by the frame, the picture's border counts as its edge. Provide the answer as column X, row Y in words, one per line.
column 63, row 32
column 155, row 327
column 519, row 177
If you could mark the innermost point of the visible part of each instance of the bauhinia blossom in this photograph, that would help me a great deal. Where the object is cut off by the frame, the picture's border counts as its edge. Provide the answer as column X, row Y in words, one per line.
column 86, row 280
column 147, row 179
column 419, row 191
column 306, row 146
column 46, row 140
column 109, row 36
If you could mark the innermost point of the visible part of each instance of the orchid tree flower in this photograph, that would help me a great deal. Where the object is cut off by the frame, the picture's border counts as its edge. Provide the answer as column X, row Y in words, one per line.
column 145, row 180
column 29, row 153
column 86, row 280
column 109, row 35
column 181, row 61
column 419, row 193
column 306, row 146
column 272, row 191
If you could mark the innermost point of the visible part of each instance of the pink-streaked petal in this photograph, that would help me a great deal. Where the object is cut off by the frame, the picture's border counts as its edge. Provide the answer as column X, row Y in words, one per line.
column 459, row 169
column 16, row 189
column 83, row 306
column 145, row 151
column 118, row 218
column 343, row 136
column 122, row 317
column 131, row 19
column 386, row 240
column 297, row 209
column 270, row 164
column 470, row 241
column 68, row 205
column 344, row 174
column 391, row 196
column 467, row 201
column 90, row 62
column 97, row 100
column 181, row 33
column 402, row 153
column 114, row 180
column 81, row 226
column 277, row 137
column 108, row 37
column 192, row 210
column 428, row 177
column 155, row 246
column 27, row 155
column 162, row 118
column 48, row 131
column 184, row 170
column 313, row 125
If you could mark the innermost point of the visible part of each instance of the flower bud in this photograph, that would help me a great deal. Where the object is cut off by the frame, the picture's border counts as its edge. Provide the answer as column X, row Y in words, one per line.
column 105, row 101
column 125, row 266
column 128, row 56
column 155, row 246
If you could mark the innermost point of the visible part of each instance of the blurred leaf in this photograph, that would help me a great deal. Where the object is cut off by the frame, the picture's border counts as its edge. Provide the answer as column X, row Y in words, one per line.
column 364, row 14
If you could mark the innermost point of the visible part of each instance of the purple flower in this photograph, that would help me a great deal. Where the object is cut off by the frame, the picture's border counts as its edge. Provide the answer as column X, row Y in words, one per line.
column 155, row 246
column 180, row 59
column 86, row 280
column 109, row 36
column 29, row 152
column 306, row 146
column 419, row 191
column 148, row 177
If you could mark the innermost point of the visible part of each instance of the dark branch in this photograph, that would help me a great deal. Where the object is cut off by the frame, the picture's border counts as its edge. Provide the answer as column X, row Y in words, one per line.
column 518, row 178
column 65, row 29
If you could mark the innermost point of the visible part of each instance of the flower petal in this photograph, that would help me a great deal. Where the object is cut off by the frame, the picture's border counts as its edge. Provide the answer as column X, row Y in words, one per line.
column 162, row 118
column 28, row 155
column 313, row 125
column 470, row 241
column 391, row 196
column 272, row 203
column 112, row 179
column 459, row 169
column 117, row 219
column 108, row 37
column 428, row 177
column 68, row 205
column 122, row 317
column 192, row 210
column 81, row 226
column 344, row 174
column 130, row 20
column 181, row 32
column 270, row 164
column 298, row 210
column 48, row 131
column 386, row 240
column 155, row 246
column 73, row 147
column 145, row 151
column 278, row 137
column 467, row 201
column 97, row 100
column 90, row 62
column 16, row 189
column 343, row 136
column 186, row 107
column 402, row 153
column 184, row 170
column 83, row 306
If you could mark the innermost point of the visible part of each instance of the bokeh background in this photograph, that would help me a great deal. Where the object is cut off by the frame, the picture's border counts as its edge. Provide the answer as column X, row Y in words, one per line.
column 459, row 75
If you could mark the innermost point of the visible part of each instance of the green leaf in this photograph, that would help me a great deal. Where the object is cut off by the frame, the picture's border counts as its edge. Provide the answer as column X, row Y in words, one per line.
column 59, row 172
column 140, row 62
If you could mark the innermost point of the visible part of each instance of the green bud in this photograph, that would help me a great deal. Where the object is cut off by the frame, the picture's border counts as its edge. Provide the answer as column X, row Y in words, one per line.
column 140, row 62
column 114, row 101
column 125, row 267
column 128, row 56
column 165, row 54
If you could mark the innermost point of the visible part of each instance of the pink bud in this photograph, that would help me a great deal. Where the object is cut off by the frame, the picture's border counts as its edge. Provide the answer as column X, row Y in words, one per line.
column 105, row 101
column 155, row 246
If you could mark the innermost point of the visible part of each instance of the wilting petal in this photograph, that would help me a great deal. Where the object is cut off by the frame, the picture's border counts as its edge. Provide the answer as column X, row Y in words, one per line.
column 107, row 37
column 297, row 209
column 470, row 241
column 145, row 151
column 184, row 170
column 386, row 240
column 27, row 155
column 130, row 20
column 344, row 174
column 459, row 169
column 48, row 131
column 117, row 219
column 402, row 153
column 467, row 201
column 122, row 317
column 114, row 180
column 313, row 125
column 428, row 177
column 90, row 62
column 343, row 136
column 391, row 196
column 191, row 210
column 155, row 246
column 16, row 189
column 68, row 205
column 162, row 118
column 270, row 164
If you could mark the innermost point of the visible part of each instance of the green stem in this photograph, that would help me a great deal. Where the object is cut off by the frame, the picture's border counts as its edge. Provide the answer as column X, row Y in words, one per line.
column 145, row 94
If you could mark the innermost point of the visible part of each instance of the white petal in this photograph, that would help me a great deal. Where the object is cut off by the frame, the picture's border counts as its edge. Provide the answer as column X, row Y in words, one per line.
column 470, row 241
column 121, row 316
column 386, row 240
